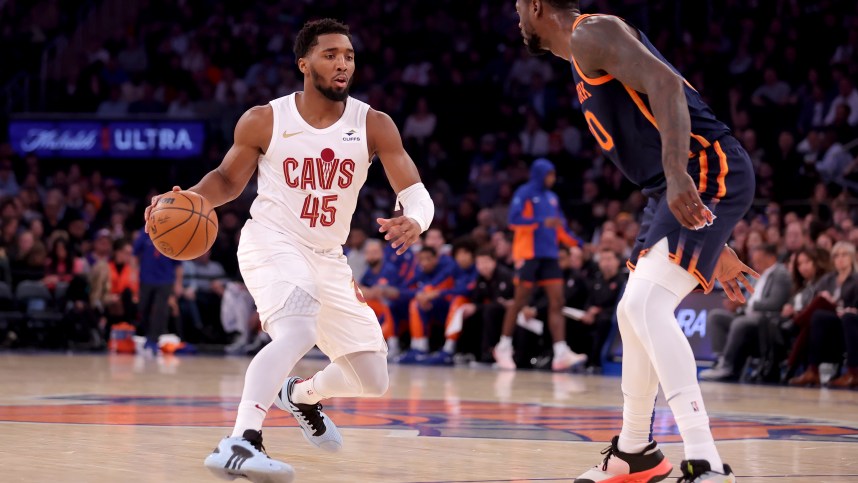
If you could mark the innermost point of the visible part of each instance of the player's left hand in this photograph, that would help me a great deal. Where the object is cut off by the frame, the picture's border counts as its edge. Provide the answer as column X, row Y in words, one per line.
column 401, row 232
column 730, row 271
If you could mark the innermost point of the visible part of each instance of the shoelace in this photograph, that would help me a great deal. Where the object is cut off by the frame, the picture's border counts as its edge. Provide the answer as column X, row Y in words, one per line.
column 257, row 443
column 312, row 413
column 608, row 452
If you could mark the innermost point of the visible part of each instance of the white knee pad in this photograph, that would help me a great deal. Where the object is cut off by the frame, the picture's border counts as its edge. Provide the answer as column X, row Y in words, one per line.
column 657, row 267
column 366, row 372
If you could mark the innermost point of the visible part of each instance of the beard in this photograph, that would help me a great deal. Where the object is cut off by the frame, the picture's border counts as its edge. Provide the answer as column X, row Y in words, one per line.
column 533, row 44
column 330, row 92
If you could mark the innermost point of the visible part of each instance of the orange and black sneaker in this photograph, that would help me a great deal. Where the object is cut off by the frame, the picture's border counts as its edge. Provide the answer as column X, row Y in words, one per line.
column 648, row 466
column 700, row 471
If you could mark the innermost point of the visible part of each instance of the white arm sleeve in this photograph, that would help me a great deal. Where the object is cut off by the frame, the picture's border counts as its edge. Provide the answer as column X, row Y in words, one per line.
column 417, row 205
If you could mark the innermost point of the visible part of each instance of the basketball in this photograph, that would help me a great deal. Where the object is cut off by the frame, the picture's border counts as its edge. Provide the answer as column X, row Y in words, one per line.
column 183, row 225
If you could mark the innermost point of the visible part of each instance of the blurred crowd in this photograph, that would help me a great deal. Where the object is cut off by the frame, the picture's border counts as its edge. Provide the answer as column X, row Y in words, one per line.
column 475, row 110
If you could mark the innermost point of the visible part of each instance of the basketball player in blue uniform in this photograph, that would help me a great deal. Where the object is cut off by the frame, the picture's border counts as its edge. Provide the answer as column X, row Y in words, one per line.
column 658, row 131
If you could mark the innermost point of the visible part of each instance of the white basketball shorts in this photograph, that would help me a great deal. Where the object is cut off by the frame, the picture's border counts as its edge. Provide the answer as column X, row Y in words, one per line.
column 272, row 265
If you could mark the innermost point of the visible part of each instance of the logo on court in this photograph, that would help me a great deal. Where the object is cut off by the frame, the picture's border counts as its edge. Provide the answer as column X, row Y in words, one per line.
column 421, row 417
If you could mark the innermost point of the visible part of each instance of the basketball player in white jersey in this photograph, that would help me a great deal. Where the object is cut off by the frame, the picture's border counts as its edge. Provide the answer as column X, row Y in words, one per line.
column 312, row 150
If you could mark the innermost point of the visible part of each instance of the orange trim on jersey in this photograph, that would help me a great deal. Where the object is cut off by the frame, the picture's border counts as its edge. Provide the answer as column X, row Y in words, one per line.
column 722, row 186
column 689, row 84
column 527, row 211
column 704, row 170
column 597, row 81
column 415, row 321
column 700, row 139
column 455, row 304
column 550, row 281
column 640, row 103
column 385, row 317
column 522, row 242
column 565, row 239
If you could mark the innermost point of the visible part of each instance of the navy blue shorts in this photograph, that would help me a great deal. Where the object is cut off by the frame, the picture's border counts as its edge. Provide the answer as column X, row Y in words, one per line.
column 539, row 271
column 725, row 179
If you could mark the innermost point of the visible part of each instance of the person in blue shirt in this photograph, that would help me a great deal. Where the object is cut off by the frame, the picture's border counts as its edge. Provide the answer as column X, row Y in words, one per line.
column 461, row 282
column 160, row 279
column 432, row 273
column 539, row 226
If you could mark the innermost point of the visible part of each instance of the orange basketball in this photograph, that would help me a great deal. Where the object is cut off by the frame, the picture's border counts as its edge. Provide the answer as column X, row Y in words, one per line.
column 182, row 225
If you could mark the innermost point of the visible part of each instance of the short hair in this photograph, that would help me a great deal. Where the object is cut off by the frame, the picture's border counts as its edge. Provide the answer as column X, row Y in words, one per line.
column 308, row 37
column 466, row 244
column 486, row 251
column 768, row 248
column 571, row 5
column 429, row 250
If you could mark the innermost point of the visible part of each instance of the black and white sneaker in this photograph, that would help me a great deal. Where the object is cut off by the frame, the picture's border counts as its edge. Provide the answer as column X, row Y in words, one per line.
column 317, row 427
column 700, row 471
column 245, row 457
column 648, row 466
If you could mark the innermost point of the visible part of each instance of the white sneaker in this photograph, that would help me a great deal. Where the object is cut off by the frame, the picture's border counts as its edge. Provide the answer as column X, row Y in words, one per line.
column 566, row 360
column 317, row 427
column 503, row 358
column 245, row 457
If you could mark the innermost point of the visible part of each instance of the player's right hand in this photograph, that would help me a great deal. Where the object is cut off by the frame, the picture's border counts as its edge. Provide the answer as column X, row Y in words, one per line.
column 152, row 205
column 685, row 203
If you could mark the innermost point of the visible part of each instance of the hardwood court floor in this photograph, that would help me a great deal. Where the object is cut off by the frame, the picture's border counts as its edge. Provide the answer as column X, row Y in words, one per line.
column 123, row 419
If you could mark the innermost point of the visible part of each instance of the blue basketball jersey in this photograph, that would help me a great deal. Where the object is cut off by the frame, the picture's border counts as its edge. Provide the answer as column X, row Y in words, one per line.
column 621, row 120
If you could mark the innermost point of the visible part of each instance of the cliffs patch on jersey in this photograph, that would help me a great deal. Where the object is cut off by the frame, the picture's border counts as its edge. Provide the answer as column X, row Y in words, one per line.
column 351, row 136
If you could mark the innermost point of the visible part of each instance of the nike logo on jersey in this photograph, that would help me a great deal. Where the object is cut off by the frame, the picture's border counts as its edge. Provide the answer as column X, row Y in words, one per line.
column 287, row 135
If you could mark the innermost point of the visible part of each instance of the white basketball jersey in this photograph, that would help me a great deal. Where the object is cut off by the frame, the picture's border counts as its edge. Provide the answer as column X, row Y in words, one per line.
column 309, row 178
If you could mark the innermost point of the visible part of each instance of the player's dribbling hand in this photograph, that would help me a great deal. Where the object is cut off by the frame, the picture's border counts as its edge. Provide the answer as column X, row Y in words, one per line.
column 685, row 203
column 152, row 205
column 401, row 232
column 730, row 271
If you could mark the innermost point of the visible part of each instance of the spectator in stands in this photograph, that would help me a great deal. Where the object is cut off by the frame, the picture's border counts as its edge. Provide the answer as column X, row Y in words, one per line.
column 420, row 125
column 431, row 273
column 808, row 266
column 821, row 315
column 600, row 309
column 204, row 281
column 62, row 265
column 847, row 95
column 492, row 293
column 8, row 181
column 27, row 258
column 446, row 299
column 160, row 281
column 734, row 334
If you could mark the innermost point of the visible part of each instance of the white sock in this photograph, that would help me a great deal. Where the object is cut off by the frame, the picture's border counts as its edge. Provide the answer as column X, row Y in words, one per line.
column 250, row 416
column 450, row 346
column 561, row 348
column 393, row 343
column 293, row 335
column 305, row 393
column 505, row 342
column 420, row 344
column 690, row 415
column 649, row 306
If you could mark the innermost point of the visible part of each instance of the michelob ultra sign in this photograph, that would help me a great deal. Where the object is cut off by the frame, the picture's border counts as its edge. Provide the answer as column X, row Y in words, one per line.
column 107, row 139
